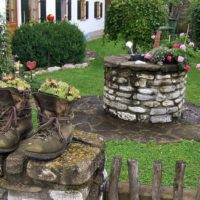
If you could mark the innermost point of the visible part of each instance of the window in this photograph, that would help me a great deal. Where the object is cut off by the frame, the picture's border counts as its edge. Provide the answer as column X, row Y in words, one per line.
column 11, row 11
column 63, row 10
column 98, row 10
column 83, row 9
column 29, row 9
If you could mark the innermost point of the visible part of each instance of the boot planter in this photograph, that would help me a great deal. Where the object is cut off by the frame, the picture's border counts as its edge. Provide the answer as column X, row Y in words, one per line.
column 16, row 113
column 54, row 122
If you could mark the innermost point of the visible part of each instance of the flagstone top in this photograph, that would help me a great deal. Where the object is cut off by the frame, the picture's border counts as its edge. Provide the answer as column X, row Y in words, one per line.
column 124, row 61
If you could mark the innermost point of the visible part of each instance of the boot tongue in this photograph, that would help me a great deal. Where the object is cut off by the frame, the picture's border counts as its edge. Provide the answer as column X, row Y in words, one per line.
column 51, row 105
column 46, row 103
column 6, row 98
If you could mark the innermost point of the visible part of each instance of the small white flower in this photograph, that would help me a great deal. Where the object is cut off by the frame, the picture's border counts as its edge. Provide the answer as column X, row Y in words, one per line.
column 153, row 37
column 198, row 67
column 182, row 34
column 183, row 47
column 129, row 44
column 191, row 44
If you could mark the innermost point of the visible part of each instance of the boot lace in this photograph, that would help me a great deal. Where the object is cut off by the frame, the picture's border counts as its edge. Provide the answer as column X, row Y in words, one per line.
column 9, row 116
column 50, row 127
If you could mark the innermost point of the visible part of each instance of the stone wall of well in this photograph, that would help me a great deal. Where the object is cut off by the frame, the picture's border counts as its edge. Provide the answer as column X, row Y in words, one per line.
column 143, row 92
column 78, row 174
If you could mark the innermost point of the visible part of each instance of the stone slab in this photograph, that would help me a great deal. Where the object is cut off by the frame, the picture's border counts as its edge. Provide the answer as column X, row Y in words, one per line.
column 15, row 163
column 75, row 166
column 50, row 195
column 91, row 139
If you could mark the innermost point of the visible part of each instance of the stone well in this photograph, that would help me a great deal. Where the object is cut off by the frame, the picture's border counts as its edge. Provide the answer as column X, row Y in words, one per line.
column 143, row 92
column 76, row 175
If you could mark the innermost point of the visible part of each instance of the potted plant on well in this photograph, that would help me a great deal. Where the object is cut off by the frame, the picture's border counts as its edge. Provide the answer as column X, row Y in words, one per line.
column 175, row 52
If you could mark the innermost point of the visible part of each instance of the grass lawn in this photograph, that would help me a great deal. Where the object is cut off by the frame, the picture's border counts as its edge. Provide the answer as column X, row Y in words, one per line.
column 90, row 82
column 188, row 151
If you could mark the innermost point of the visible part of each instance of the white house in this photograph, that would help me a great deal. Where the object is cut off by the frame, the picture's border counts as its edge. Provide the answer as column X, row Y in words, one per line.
column 88, row 15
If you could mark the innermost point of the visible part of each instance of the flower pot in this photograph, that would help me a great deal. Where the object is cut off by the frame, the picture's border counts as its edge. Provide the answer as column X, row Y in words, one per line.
column 135, row 57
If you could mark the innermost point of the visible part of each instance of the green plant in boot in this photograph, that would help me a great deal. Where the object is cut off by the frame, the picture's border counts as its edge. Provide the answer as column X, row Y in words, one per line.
column 54, row 117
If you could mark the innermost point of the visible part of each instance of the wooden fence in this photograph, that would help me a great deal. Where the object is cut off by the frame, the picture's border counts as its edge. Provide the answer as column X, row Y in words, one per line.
column 134, row 192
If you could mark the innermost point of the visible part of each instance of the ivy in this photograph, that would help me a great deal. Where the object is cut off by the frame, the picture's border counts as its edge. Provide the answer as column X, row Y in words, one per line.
column 6, row 66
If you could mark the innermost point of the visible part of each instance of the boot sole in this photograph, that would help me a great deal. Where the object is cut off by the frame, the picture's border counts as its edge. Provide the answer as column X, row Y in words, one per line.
column 8, row 150
column 23, row 136
column 49, row 156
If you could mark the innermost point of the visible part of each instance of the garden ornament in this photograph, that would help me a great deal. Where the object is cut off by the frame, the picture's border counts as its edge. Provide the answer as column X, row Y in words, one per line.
column 15, row 118
column 54, row 132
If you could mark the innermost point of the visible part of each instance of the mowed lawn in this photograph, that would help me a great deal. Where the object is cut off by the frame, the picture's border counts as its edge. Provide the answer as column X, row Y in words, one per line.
column 90, row 81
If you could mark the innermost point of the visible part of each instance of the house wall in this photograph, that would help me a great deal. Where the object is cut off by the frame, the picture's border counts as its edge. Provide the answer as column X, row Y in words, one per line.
column 2, row 7
column 91, row 27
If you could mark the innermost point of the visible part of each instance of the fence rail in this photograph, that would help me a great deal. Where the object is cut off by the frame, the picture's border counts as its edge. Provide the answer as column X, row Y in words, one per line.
column 134, row 190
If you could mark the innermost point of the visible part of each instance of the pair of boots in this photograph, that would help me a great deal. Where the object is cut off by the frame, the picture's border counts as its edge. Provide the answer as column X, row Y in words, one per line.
column 54, row 128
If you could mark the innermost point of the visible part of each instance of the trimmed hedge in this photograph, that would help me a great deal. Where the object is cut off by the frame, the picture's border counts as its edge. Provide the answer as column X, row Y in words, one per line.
column 49, row 43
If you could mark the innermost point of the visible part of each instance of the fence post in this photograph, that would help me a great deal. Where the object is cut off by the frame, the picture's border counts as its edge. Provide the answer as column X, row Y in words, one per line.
column 178, row 180
column 157, row 180
column 114, row 178
column 198, row 192
column 134, row 185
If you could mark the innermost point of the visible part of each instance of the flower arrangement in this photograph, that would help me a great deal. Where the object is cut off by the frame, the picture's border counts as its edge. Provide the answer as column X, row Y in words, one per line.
column 12, row 81
column 60, row 89
column 175, row 52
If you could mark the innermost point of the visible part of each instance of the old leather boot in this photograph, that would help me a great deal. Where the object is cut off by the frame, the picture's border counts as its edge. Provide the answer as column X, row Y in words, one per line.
column 15, row 118
column 54, row 132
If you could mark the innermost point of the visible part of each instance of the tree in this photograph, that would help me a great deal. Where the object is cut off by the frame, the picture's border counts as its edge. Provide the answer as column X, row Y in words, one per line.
column 135, row 20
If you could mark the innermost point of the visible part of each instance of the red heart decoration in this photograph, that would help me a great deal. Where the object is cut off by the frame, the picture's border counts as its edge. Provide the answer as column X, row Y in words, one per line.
column 31, row 65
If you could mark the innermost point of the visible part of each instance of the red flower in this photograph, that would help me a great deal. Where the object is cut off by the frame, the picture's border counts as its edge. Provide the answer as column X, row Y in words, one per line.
column 187, row 68
column 31, row 65
column 169, row 59
column 176, row 46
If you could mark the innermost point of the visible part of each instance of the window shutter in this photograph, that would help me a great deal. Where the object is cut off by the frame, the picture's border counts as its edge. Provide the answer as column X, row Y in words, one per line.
column 95, row 9
column 83, row 6
column 101, row 10
column 25, row 11
column 79, row 9
column 87, row 9
column 58, row 10
column 69, row 10
column 43, row 10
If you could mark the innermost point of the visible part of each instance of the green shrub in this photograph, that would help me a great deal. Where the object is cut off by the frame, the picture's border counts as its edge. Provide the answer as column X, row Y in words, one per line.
column 135, row 20
column 195, row 25
column 49, row 43
column 6, row 66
